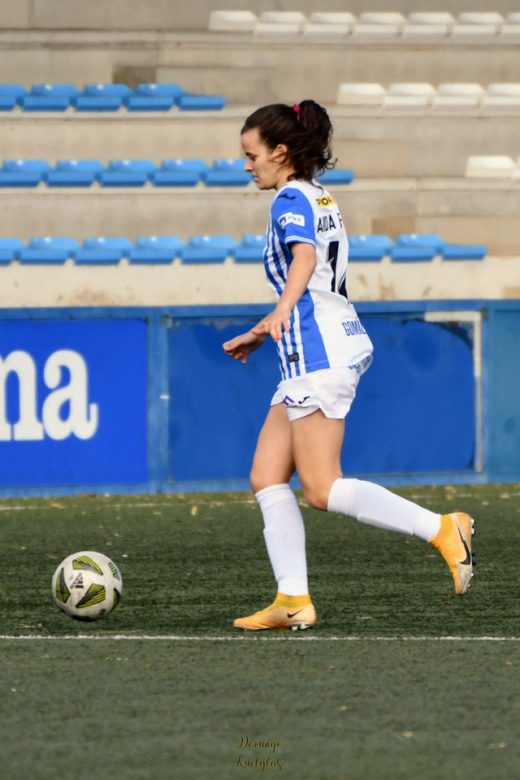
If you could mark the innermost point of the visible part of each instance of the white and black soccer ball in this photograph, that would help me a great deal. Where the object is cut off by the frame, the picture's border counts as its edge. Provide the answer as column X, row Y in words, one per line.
column 87, row 585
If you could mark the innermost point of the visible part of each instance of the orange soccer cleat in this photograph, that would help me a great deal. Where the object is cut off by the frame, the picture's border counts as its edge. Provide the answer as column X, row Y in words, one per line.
column 286, row 612
column 454, row 543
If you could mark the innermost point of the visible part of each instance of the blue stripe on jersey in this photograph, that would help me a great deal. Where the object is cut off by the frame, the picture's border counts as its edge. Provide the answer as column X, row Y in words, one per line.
column 270, row 254
column 283, row 246
column 290, row 338
column 313, row 347
column 310, row 337
column 271, row 258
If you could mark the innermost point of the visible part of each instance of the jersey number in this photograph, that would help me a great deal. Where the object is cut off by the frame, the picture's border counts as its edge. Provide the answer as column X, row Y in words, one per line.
column 332, row 259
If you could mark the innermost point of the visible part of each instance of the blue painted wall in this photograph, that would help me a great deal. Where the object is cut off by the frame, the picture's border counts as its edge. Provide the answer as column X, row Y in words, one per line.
column 175, row 413
column 503, row 391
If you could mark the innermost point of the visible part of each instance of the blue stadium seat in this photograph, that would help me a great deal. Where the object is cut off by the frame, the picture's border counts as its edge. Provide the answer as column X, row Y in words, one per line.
column 10, row 96
column 127, row 173
column 10, row 249
column 187, row 102
column 416, row 247
column 103, row 251
column 369, row 248
column 337, row 176
column 421, row 239
column 152, row 250
column 154, row 97
column 464, row 252
column 74, row 173
column 49, row 97
column 48, row 251
column 228, row 164
column 402, row 253
column 179, row 173
column 251, row 249
column 23, row 173
column 208, row 249
column 102, row 97
column 227, row 173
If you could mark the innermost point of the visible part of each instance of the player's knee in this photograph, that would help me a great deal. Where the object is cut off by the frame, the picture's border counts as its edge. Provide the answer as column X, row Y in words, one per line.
column 317, row 496
column 263, row 475
column 258, row 479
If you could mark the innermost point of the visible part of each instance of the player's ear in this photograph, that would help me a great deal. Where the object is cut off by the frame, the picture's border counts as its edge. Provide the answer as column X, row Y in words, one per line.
column 279, row 154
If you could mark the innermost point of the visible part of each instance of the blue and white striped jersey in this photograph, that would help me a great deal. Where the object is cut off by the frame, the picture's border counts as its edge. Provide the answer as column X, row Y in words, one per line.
column 325, row 331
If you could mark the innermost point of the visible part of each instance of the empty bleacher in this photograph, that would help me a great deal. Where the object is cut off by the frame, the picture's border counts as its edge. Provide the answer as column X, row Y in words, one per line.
column 144, row 227
column 373, row 142
column 216, row 248
column 204, row 60
column 476, row 210
column 105, row 97
column 454, row 96
column 384, row 26
column 160, row 15
column 165, row 271
column 224, row 172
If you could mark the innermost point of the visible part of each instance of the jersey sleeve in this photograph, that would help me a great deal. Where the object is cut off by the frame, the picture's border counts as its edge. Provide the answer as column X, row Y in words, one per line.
column 293, row 217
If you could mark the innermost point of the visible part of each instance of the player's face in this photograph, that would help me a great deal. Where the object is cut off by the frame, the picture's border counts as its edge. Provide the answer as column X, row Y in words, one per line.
column 267, row 166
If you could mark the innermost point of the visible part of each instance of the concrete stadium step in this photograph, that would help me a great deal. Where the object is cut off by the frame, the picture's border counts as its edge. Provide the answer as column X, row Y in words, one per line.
column 461, row 210
column 209, row 63
column 372, row 141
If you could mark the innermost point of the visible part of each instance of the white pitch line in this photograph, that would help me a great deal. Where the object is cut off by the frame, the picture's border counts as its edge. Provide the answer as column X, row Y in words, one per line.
column 249, row 637
column 104, row 505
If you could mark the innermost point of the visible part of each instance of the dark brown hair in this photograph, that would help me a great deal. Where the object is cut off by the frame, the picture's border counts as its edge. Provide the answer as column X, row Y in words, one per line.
column 304, row 128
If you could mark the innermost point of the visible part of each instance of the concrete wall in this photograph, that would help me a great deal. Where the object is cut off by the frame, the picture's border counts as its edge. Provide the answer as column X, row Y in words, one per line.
column 184, row 285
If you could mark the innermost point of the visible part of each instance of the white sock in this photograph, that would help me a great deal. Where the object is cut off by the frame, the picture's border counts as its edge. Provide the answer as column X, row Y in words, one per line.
column 374, row 505
column 284, row 535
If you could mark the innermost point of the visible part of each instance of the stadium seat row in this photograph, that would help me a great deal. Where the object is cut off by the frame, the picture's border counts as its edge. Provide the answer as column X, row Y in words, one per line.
column 493, row 167
column 383, row 25
column 424, row 95
column 216, row 248
column 105, row 97
column 137, row 173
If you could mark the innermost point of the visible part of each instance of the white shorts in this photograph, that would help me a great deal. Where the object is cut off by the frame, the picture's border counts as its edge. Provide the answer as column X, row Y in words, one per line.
column 332, row 390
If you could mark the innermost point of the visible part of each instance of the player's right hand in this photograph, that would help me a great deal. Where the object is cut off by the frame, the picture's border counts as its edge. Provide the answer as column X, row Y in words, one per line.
column 241, row 346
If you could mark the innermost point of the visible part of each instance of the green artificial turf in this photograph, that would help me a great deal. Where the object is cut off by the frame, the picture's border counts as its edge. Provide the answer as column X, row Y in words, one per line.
column 376, row 690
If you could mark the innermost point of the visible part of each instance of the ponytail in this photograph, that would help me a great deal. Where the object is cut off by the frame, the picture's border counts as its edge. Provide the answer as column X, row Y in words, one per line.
column 306, row 130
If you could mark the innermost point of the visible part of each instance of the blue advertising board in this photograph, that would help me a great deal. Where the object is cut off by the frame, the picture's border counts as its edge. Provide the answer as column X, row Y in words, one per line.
column 73, row 402
column 122, row 400
column 414, row 413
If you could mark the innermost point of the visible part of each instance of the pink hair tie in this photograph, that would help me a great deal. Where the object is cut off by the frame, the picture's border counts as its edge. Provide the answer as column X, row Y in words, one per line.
column 296, row 108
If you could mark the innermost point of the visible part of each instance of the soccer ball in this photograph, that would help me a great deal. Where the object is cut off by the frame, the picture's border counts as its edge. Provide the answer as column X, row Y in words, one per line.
column 87, row 585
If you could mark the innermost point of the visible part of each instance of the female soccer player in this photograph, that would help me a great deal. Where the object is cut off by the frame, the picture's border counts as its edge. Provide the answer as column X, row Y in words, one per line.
column 323, row 350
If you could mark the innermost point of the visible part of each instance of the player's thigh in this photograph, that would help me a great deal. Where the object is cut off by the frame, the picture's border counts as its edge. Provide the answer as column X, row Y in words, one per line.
column 273, row 462
column 316, row 446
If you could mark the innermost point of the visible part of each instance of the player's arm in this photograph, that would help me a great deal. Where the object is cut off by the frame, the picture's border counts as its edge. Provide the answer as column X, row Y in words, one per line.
column 240, row 347
column 298, row 277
